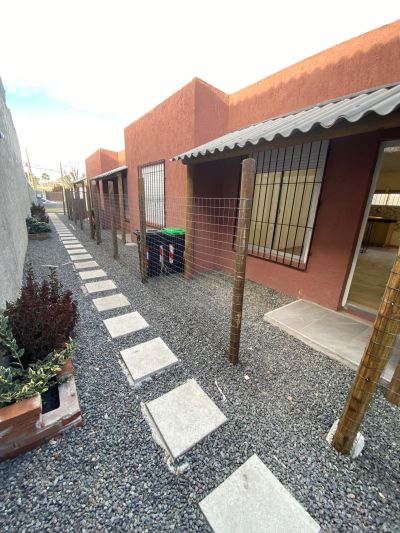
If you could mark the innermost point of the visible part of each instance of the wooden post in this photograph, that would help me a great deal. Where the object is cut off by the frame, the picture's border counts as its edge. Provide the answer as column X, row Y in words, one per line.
column 97, row 212
column 143, row 246
column 376, row 355
column 63, row 198
column 393, row 392
column 189, row 256
column 69, row 203
column 80, row 208
column 113, row 213
column 75, row 204
column 90, row 209
column 242, row 242
column 121, row 208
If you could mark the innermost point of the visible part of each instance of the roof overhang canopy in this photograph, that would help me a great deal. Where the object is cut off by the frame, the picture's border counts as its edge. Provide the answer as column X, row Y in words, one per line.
column 349, row 109
column 110, row 173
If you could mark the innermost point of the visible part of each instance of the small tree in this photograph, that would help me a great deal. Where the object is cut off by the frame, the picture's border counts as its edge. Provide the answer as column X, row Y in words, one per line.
column 43, row 317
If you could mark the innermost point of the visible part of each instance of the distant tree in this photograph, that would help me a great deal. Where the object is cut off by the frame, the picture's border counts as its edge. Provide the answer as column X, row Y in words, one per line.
column 45, row 176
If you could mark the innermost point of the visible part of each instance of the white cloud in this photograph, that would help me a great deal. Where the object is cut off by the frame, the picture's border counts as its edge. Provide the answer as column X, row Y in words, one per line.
column 124, row 57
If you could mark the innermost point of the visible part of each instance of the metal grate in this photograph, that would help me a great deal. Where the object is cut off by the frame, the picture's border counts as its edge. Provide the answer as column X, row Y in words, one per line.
column 286, row 193
column 153, row 176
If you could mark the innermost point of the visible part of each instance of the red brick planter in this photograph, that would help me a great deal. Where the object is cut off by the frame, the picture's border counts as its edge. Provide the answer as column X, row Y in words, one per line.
column 38, row 236
column 23, row 426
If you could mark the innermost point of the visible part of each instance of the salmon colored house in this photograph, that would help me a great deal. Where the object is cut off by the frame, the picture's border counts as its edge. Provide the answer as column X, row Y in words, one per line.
column 325, row 134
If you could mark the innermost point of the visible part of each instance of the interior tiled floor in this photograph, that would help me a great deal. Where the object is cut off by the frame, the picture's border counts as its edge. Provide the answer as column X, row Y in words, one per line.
column 370, row 276
column 338, row 335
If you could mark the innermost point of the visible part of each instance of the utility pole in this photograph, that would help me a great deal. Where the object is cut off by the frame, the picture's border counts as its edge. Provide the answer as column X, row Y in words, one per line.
column 30, row 175
column 63, row 188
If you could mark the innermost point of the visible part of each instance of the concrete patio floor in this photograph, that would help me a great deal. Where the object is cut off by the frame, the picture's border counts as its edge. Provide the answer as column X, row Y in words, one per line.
column 338, row 335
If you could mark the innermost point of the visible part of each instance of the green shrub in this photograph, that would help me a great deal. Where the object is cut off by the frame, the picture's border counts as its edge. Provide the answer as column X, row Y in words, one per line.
column 34, row 226
column 18, row 382
column 39, row 212
column 42, row 318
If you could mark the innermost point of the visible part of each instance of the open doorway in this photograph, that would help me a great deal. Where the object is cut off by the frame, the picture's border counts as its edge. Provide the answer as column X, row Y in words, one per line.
column 380, row 236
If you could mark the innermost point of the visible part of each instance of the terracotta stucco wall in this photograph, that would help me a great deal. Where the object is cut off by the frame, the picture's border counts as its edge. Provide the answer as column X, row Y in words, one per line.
column 102, row 161
column 167, row 130
column 349, row 171
column 369, row 60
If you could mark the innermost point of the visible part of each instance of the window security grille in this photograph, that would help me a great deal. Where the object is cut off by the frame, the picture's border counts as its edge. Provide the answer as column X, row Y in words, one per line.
column 286, row 193
column 154, row 191
column 126, row 197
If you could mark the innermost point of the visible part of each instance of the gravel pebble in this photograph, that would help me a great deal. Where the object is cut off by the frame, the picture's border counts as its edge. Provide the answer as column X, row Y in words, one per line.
column 280, row 402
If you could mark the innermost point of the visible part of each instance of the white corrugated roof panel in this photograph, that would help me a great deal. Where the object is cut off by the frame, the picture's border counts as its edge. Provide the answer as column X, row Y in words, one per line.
column 381, row 101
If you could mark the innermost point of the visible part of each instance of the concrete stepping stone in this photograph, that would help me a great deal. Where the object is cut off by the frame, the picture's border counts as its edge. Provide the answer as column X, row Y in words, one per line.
column 148, row 358
column 100, row 286
column 86, row 264
column 77, row 251
column 73, row 246
column 91, row 274
column 125, row 324
column 80, row 257
column 115, row 301
column 183, row 417
column 253, row 500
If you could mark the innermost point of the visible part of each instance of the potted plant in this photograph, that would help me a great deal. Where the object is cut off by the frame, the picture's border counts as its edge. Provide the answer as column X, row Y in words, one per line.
column 37, row 230
column 38, row 396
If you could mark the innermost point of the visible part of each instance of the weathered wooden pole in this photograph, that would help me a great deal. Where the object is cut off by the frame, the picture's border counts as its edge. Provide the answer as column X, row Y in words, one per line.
column 63, row 188
column 242, row 242
column 385, row 329
column 69, row 204
column 113, row 211
column 75, row 204
column 143, row 245
column 90, row 209
column 80, row 208
column 189, row 223
column 63, row 198
column 393, row 392
column 121, row 208
column 97, row 212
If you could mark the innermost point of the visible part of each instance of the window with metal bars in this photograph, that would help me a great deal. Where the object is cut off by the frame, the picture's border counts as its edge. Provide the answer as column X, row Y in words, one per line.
column 286, row 193
column 126, row 197
column 153, row 176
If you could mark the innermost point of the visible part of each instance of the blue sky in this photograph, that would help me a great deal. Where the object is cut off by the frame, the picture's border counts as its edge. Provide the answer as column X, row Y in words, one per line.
column 78, row 72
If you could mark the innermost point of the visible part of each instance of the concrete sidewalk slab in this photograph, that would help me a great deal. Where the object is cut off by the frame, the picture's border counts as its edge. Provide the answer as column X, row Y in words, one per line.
column 100, row 286
column 73, row 246
column 183, row 417
column 91, row 274
column 86, row 264
column 338, row 335
column 124, row 324
column 80, row 257
column 115, row 301
column 148, row 358
column 253, row 500
column 77, row 251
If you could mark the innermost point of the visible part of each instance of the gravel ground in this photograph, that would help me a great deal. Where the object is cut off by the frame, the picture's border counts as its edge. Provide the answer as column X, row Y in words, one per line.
column 111, row 476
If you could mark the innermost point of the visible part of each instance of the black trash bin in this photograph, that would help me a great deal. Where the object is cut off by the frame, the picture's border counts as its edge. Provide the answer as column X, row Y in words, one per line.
column 174, row 249
column 153, row 243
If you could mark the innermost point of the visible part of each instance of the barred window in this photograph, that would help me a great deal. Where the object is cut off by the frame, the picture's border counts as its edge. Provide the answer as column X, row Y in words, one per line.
column 126, row 196
column 153, row 176
column 286, row 193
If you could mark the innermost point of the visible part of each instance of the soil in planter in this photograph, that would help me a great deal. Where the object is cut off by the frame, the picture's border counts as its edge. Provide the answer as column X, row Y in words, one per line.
column 50, row 399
